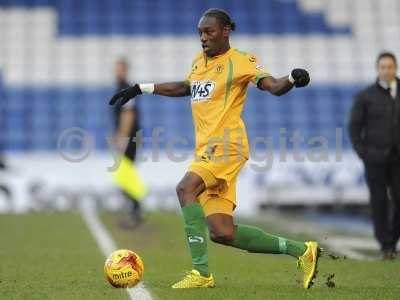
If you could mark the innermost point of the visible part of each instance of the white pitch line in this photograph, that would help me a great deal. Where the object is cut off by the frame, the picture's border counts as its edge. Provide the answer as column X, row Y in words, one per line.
column 107, row 244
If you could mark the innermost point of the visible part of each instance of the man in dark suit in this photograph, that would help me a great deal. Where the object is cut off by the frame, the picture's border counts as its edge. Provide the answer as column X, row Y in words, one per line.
column 375, row 134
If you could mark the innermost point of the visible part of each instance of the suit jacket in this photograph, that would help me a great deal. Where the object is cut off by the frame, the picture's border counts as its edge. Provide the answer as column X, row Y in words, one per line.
column 374, row 126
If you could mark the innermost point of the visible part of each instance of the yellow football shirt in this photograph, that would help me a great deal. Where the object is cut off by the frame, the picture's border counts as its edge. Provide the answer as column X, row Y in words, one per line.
column 218, row 88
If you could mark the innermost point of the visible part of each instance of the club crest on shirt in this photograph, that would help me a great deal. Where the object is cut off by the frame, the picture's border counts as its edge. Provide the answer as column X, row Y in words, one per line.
column 202, row 90
column 219, row 68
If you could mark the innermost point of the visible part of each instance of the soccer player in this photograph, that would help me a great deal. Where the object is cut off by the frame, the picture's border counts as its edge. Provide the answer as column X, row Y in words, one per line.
column 217, row 84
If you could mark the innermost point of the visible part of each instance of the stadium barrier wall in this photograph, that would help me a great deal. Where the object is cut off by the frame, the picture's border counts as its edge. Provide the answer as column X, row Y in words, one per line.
column 46, row 181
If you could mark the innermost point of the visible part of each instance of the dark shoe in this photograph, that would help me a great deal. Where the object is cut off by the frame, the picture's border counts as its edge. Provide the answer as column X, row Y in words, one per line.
column 389, row 255
column 131, row 222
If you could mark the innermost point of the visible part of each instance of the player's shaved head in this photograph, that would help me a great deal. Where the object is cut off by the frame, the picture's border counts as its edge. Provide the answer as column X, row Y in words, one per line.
column 214, row 28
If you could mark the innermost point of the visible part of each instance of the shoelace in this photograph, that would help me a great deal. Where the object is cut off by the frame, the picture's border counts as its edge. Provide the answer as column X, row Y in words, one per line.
column 300, row 264
column 187, row 278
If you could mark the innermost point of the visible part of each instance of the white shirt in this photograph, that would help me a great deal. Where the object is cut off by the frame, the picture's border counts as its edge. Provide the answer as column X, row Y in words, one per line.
column 392, row 85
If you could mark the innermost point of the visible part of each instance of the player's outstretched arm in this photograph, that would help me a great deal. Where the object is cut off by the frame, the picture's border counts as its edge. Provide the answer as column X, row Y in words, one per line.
column 280, row 86
column 170, row 89
column 173, row 89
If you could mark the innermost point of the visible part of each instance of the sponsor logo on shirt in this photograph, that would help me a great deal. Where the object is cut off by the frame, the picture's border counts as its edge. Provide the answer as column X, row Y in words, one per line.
column 202, row 90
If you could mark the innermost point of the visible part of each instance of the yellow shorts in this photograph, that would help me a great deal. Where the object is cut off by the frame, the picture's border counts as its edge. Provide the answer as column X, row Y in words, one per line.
column 219, row 176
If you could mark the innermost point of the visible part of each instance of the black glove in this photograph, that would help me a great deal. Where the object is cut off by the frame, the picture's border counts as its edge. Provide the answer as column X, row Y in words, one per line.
column 301, row 77
column 125, row 95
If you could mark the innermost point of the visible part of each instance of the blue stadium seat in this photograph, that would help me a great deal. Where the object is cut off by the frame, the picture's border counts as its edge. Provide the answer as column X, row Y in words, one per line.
column 33, row 117
column 159, row 16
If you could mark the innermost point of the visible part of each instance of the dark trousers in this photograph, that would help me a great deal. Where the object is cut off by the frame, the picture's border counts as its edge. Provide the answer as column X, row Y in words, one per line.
column 383, row 180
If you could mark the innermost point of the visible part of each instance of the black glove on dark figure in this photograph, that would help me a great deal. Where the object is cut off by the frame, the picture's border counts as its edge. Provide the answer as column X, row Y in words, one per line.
column 125, row 95
column 301, row 77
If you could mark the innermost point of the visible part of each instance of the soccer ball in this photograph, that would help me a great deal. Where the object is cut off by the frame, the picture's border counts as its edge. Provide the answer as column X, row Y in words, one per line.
column 123, row 268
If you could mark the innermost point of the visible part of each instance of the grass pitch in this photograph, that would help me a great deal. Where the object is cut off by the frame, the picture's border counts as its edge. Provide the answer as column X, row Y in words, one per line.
column 241, row 275
column 53, row 256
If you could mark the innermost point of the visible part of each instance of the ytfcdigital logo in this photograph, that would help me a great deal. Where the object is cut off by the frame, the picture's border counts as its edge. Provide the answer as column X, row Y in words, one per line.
column 76, row 144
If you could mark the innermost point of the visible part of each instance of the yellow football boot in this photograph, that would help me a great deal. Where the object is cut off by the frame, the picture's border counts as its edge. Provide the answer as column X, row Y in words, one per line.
column 194, row 280
column 308, row 263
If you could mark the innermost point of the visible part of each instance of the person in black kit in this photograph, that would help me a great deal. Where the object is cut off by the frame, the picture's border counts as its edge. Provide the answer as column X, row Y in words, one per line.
column 375, row 134
column 126, row 125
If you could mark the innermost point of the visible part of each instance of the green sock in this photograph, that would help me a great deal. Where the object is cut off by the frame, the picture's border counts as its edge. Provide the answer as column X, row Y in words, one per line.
column 255, row 240
column 196, row 233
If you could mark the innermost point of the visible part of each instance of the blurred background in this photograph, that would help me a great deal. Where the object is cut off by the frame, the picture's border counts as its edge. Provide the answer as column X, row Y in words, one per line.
column 57, row 74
